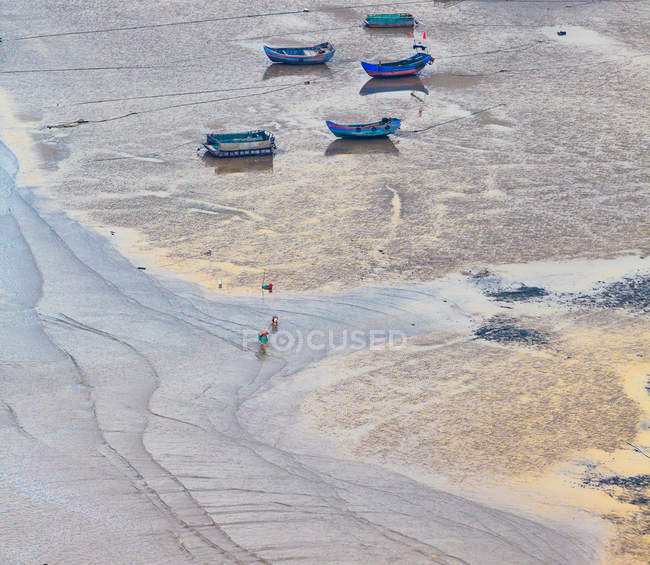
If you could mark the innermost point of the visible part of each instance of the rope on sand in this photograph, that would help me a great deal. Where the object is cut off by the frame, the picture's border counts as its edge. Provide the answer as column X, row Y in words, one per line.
column 170, row 65
column 171, row 94
column 72, row 69
column 219, row 19
column 154, row 26
column 453, row 120
column 112, row 119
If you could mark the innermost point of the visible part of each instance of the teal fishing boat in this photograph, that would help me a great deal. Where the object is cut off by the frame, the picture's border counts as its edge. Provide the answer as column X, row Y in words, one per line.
column 243, row 144
column 390, row 20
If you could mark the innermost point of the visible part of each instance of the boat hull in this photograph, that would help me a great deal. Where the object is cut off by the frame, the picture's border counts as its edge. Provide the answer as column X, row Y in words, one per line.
column 221, row 154
column 396, row 70
column 300, row 55
column 387, row 25
column 394, row 74
column 389, row 20
column 360, row 131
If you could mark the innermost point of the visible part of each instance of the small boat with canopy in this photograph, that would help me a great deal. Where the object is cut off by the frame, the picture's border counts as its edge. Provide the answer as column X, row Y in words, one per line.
column 245, row 144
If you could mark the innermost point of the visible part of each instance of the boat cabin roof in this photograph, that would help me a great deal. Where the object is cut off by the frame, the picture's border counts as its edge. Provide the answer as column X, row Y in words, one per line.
column 402, row 15
column 243, row 136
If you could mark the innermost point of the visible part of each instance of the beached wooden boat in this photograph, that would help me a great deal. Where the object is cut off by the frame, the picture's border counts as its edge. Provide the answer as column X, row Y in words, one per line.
column 390, row 20
column 376, row 129
column 411, row 66
column 314, row 55
column 243, row 144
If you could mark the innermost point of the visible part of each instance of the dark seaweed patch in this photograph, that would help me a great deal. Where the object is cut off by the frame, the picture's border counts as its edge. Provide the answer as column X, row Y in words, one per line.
column 632, row 293
column 632, row 490
column 638, row 481
column 506, row 330
column 519, row 294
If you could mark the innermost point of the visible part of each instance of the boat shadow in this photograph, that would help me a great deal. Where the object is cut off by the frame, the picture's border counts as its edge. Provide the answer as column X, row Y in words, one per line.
column 361, row 147
column 276, row 70
column 263, row 163
column 377, row 85
column 389, row 31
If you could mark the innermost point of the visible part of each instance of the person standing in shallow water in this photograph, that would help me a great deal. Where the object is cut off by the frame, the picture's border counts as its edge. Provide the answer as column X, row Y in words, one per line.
column 263, row 338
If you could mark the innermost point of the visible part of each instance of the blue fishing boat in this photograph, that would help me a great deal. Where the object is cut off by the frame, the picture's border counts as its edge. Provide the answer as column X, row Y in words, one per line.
column 243, row 144
column 390, row 20
column 377, row 129
column 392, row 69
column 301, row 55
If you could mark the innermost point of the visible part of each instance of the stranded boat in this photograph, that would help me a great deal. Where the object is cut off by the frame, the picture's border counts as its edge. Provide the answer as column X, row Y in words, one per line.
column 411, row 66
column 390, row 20
column 376, row 129
column 301, row 55
column 243, row 144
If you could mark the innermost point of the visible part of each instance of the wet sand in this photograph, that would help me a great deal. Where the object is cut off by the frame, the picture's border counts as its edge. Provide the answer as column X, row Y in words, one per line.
column 554, row 172
column 136, row 416
column 544, row 418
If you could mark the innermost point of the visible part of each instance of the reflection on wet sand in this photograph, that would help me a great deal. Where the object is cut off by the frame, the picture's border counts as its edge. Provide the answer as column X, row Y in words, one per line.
column 361, row 147
column 389, row 32
column 377, row 85
column 308, row 71
column 239, row 164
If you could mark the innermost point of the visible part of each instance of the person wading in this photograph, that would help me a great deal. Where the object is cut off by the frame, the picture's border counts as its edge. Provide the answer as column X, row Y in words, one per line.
column 263, row 338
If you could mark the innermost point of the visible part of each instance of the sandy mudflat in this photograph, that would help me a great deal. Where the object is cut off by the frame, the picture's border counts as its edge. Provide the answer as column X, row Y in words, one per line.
column 508, row 248
column 538, row 407
column 556, row 172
